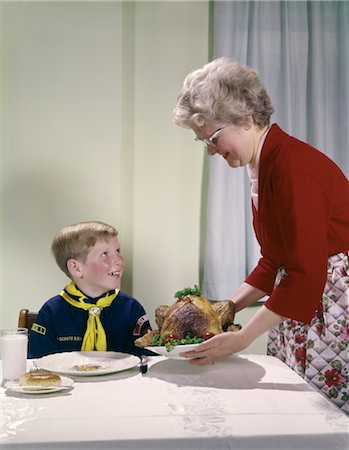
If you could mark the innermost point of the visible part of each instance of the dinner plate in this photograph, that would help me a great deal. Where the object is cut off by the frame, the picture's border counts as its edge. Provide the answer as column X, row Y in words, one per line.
column 15, row 386
column 174, row 352
column 87, row 363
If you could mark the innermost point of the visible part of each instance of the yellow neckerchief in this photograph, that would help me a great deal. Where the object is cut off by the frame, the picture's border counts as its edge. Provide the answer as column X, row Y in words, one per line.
column 95, row 338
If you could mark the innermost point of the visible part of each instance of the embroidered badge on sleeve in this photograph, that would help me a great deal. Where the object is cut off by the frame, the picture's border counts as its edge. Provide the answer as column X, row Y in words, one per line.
column 140, row 322
column 38, row 329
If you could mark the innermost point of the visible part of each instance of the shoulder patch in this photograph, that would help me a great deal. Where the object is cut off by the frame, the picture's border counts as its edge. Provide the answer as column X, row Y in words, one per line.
column 140, row 322
column 38, row 329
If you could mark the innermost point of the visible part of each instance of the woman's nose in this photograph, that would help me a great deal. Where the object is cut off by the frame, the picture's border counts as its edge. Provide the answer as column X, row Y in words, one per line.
column 211, row 150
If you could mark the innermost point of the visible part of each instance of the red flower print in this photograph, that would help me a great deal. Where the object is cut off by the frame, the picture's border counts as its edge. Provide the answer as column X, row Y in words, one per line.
column 334, row 377
column 299, row 338
column 320, row 328
column 300, row 355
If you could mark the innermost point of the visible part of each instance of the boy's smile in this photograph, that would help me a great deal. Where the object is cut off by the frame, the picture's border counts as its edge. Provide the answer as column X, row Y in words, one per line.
column 114, row 274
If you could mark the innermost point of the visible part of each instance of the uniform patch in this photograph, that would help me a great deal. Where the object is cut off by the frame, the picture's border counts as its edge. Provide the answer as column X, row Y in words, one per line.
column 69, row 338
column 140, row 322
column 38, row 329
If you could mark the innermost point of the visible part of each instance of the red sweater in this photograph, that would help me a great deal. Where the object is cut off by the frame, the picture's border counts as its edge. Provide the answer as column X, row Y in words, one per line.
column 302, row 219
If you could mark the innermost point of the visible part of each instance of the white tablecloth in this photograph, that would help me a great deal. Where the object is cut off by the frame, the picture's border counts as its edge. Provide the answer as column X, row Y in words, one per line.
column 246, row 402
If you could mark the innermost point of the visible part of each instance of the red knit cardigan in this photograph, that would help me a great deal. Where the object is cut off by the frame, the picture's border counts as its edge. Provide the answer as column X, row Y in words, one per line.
column 302, row 219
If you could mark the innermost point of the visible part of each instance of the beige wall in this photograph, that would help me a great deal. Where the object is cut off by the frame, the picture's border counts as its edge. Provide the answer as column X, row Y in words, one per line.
column 88, row 90
column 61, row 140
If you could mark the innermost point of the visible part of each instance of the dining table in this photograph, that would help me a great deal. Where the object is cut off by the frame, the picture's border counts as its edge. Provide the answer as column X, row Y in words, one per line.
column 242, row 402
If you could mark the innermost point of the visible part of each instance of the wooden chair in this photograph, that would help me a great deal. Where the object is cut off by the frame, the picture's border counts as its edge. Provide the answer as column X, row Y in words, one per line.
column 26, row 318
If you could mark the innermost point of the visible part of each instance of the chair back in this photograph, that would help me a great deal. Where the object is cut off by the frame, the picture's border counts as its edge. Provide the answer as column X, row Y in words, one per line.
column 26, row 318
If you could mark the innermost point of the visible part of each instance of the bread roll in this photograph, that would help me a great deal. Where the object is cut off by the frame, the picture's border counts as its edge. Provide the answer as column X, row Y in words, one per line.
column 40, row 377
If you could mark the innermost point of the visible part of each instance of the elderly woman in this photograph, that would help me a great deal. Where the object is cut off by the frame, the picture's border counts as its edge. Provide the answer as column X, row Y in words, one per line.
column 300, row 203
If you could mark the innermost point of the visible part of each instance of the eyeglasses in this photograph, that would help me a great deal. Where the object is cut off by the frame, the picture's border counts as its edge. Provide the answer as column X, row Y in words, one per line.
column 213, row 139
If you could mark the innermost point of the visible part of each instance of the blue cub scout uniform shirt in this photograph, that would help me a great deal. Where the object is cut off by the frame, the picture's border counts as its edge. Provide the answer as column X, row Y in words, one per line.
column 60, row 327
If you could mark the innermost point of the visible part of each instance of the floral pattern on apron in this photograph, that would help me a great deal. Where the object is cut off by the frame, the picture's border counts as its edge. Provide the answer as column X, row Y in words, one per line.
column 319, row 352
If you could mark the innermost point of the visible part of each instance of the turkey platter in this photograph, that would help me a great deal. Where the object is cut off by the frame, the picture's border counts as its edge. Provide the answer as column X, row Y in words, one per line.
column 191, row 319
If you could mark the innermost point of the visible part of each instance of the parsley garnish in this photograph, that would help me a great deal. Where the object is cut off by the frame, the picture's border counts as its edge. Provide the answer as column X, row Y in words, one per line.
column 189, row 291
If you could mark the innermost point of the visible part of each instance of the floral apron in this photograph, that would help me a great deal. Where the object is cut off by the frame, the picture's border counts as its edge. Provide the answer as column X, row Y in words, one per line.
column 319, row 352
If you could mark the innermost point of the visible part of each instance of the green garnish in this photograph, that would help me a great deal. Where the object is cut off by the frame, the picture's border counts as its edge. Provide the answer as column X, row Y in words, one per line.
column 160, row 340
column 189, row 291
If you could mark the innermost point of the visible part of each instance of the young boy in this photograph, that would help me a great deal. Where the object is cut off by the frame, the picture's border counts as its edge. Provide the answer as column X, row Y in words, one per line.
column 91, row 313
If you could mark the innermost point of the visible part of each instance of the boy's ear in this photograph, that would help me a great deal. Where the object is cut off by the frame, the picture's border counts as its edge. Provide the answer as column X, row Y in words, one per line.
column 74, row 268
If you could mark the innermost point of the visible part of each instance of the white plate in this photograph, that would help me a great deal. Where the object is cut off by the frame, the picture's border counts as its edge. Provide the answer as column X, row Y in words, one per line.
column 174, row 353
column 14, row 386
column 94, row 363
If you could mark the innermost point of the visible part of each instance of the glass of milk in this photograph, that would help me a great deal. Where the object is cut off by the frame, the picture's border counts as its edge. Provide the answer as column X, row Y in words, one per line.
column 13, row 352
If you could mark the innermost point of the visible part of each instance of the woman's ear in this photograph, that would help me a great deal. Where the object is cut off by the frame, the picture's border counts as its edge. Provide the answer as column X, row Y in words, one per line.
column 74, row 268
column 248, row 122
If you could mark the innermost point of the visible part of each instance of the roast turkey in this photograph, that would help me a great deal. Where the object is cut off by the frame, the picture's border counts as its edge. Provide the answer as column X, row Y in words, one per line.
column 191, row 315
column 225, row 310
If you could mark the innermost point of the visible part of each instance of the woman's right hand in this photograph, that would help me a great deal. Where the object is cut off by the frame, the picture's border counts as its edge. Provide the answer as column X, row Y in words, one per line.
column 217, row 348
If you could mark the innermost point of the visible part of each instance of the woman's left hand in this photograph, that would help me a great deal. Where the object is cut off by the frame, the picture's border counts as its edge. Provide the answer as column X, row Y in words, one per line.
column 217, row 348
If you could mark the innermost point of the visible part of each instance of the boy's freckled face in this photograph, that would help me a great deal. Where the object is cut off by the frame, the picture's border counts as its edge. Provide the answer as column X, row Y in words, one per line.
column 103, row 268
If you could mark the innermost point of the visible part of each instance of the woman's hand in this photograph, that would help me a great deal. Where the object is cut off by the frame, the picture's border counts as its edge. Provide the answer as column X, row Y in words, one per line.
column 217, row 347
column 229, row 342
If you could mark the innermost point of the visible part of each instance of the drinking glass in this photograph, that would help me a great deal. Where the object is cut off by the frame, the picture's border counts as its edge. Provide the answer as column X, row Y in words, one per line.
column 13, row 351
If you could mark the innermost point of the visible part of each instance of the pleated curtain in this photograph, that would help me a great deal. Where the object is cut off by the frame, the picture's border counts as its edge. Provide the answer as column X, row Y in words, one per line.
column 301, row 51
